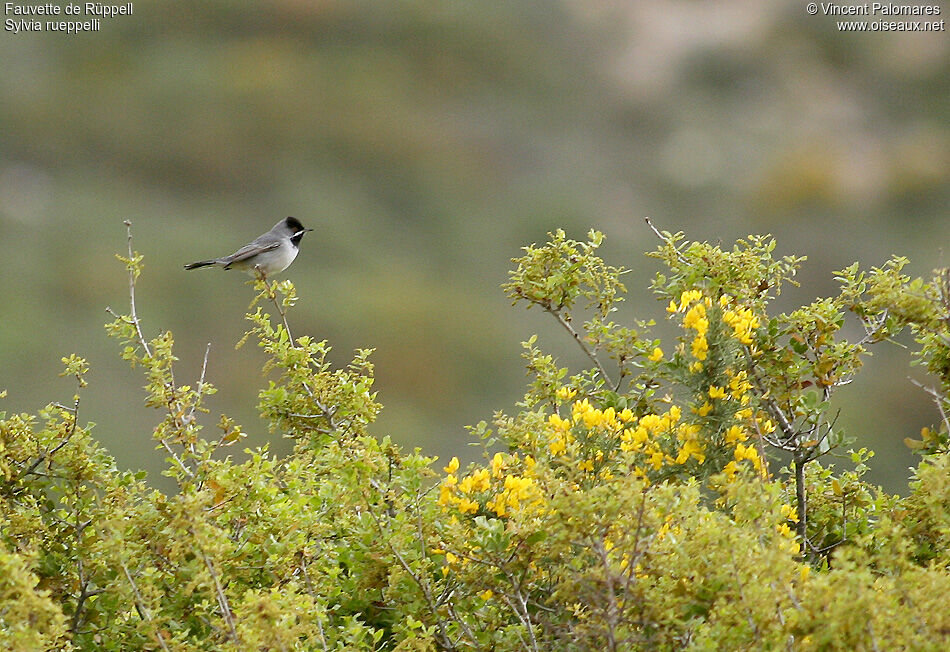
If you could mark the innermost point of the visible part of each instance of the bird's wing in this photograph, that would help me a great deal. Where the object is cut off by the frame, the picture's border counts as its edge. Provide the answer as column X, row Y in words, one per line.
column 249, row 250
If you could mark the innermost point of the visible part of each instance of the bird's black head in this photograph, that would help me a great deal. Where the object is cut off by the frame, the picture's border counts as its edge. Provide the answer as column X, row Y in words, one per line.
column 296, row 228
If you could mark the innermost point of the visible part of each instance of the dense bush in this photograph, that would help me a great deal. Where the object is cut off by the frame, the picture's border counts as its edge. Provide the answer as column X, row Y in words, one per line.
column 633, row 505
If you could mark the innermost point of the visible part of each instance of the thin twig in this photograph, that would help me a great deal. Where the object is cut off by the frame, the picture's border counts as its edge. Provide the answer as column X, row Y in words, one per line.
column 134, row 315
column 201, row 383
column 168, row 387
column 313, row 594
column 580, row 341
column 613, row 609
column 938, row 399
column 665, row 239
column 423, row 586
column 140, row 606
column 59, row 446
column 271, row 293
column 222, row 598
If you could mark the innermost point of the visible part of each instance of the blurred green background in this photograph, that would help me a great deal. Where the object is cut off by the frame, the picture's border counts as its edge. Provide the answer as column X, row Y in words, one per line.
column 426, row 141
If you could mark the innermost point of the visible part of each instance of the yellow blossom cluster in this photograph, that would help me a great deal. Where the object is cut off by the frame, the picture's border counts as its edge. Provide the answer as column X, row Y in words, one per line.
column 789, row 513
column 645, row 435
column 517, row 490
column 659, row 438
column 750, row 453
column 498, row 490
column 608, row 421
column 739, row 386
column 694, row 305
column 738, row 435
column 737, row 389
column 743, row 322
column 788, row 541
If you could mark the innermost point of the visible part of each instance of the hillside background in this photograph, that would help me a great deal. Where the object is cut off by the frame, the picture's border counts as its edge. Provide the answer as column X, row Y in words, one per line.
column 426, row 141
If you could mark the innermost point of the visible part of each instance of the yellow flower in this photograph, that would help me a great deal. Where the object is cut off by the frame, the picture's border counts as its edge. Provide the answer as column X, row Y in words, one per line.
column 592, row 417
column 656, row 356
column 693, row 449
column 745, row 452
column 651, row 422
column 558, row 446
column 453, row 465
column 478, row 481
column 626, row 415
column 699, row 347
column 566, row 393
column 486, row 594
column 703, row 410
column 497, row 505
column 790, row 513
column 581, row 406
column 736, row 434
column 633, row 439
column 467, row 506
column 696, row 319
column 497, row 465
column 743, row 322
column 730, row 470
column 748, row 453
column 481, row 480
column 446, row 496
column 716, row 392
column 695, row 367
column 688, row 297
column 687, row 432
column 557, row 422
column 516, row 490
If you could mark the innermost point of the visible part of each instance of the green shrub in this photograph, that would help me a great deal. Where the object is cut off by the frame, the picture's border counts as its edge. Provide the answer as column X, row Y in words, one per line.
column 632, row 505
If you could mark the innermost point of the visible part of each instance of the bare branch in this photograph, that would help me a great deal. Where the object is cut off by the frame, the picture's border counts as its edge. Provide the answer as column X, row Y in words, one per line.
column 938, row 399
column 201, row 383
column 665, row 239
column 580, row 342
column 133, row 314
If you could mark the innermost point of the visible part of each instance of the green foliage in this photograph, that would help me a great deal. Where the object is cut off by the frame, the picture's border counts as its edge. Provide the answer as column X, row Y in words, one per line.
column 635, row 508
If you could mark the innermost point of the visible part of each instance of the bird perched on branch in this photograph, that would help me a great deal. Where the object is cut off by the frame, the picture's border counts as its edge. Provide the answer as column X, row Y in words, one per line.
column 269, row 254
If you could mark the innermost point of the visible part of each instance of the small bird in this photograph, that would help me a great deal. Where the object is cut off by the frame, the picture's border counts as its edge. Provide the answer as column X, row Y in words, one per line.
column 269, row 254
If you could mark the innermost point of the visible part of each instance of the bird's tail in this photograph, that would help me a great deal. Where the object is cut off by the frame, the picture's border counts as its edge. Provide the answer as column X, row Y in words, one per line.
column 201, row 263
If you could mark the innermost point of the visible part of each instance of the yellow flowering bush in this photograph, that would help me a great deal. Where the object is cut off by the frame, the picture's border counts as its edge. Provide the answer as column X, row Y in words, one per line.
column 635, row 504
